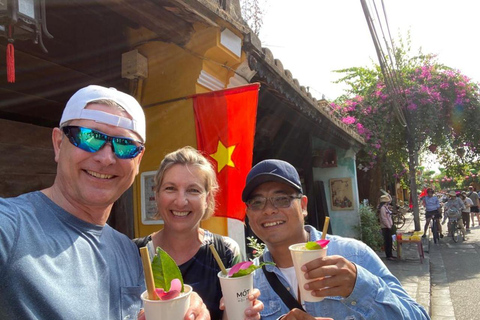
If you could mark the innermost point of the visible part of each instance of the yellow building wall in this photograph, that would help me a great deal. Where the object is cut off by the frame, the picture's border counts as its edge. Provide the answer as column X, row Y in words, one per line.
column 172, row 75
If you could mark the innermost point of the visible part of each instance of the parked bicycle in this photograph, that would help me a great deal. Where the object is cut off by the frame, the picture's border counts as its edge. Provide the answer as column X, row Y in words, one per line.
column 398, row 219
column 398, row 214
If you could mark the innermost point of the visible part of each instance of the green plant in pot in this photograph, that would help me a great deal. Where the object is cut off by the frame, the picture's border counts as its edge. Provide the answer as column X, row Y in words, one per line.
column 369, row 228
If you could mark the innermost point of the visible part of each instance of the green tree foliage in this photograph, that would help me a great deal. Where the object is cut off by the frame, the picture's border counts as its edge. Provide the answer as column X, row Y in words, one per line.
column 440, row 104
column 459, row 176
column 429, row 103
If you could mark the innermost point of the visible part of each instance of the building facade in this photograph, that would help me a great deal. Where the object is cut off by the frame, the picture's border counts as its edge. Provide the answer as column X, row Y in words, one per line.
column 162, row 52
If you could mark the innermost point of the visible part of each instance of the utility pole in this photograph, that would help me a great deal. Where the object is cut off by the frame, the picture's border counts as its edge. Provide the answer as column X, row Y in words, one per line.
column 394, row 83
column 412, row 169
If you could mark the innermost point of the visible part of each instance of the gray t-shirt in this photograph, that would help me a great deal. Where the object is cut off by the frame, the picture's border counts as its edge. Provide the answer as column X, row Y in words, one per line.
column 474, row 197
column 56, row 266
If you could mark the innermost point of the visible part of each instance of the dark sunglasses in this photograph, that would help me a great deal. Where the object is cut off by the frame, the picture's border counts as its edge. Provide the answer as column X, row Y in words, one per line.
column 259, row 203
column 92, row 140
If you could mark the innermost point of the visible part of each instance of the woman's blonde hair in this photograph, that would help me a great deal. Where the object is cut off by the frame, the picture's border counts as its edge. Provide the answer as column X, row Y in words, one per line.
column 190, row 156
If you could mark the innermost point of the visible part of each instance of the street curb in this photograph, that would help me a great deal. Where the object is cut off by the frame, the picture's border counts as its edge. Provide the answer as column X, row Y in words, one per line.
column 441, row 302
column 414, row 276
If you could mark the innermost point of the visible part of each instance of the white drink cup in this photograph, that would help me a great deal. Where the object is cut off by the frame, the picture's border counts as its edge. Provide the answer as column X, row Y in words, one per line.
column 235, row 294
column 300, row 256
column 173, row 309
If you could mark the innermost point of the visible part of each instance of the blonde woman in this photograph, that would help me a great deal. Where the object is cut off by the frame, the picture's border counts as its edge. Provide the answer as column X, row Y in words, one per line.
column 185, row 189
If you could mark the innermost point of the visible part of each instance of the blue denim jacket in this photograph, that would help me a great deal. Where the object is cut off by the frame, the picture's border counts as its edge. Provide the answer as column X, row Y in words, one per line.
column 377, row 293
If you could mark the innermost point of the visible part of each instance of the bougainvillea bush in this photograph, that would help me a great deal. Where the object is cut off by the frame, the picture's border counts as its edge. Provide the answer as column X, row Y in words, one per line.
column 433, row 104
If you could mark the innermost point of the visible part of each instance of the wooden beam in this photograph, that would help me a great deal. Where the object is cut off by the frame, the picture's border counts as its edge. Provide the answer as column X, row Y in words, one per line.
column 163, row 18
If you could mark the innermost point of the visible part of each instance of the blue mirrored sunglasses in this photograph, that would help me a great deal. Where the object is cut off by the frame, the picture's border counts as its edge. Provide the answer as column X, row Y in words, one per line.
column 92, row 140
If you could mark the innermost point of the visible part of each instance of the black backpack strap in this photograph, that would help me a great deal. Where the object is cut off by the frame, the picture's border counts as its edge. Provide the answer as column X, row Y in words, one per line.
column 142, row 242
column 282, row 292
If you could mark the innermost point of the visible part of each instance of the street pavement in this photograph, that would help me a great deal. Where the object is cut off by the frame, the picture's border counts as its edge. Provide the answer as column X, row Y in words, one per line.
column 413, row 275
column 447, row 281
column 455, row 278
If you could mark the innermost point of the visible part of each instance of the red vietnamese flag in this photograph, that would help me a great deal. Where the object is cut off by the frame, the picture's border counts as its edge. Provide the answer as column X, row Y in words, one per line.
column 423, row 193
column 225, row 125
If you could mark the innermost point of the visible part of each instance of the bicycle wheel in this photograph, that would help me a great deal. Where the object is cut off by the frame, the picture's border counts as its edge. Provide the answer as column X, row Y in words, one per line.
column 455, row 232
column 399, row 220
column 450, row 229
column 459, row 233
column 436, row 235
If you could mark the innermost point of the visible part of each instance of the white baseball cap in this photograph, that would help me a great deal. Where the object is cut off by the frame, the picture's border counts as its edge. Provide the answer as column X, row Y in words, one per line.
column 75, row 109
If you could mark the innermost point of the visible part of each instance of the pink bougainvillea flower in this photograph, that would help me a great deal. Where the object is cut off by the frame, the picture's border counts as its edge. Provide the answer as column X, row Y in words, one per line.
column 175, row 288
column 322, row 243
column 160, row 292
column 348, row 120
column 315, row 245
column 170, row 295
column 245, row 268
column 412, row 106
column 239, row 266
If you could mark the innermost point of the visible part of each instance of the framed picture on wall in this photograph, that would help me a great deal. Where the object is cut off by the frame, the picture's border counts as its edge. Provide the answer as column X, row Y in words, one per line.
column 149, row 206
column 341, row 194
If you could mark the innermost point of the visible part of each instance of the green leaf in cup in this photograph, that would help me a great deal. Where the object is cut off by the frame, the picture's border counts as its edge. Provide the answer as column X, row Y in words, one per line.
column 315, row 245
column 164, row 271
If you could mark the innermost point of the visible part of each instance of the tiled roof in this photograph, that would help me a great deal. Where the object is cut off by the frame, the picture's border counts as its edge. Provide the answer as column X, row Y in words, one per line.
column 319, row 107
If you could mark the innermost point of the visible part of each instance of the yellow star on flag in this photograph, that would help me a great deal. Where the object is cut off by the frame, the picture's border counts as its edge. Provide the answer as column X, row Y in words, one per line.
column 223, row 156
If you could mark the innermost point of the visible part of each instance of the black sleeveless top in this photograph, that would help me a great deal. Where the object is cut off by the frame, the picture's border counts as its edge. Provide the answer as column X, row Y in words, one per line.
column 201, row 270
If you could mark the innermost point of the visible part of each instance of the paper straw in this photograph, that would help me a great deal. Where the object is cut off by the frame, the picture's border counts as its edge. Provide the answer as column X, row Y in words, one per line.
column 147, row 270
column 219, row 261
column 325, row 227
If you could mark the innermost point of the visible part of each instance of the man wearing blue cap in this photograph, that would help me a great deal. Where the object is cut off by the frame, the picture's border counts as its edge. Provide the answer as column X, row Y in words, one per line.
column 59, row 259
column 353, row 280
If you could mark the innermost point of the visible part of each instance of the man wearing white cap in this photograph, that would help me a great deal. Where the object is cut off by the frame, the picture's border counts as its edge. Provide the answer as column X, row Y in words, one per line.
column 58, row 257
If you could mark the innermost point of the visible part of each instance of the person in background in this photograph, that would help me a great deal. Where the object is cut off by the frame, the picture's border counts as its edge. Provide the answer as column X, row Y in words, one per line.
column 453, row 209
column 185, row 189
column 353, row 280
column 444, row 198
column 432, row 210
column 386, row 224
column 59, row 259
column 467, row 202
column 474, row 210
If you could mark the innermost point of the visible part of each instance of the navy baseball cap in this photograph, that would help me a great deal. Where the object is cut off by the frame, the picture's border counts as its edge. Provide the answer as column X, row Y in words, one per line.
column 268, row 171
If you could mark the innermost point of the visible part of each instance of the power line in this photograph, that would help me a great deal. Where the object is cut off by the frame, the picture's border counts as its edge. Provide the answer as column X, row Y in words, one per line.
column 391, row 77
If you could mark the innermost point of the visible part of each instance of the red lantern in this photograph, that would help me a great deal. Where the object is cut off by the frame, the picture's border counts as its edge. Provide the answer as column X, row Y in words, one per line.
column 426, row 180
column 436, row 180
column 443, row 180
column 22, row 20
column 466, row 177
column 431, row 180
